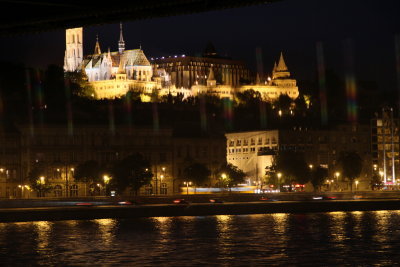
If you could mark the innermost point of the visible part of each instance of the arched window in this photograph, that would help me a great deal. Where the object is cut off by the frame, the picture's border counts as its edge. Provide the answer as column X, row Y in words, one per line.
column 73, row 38
column 96, row 78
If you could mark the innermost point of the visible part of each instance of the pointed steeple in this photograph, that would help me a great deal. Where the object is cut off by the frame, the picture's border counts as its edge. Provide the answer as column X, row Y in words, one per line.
column 121, row 43
column 281, row 65
column 97, row 50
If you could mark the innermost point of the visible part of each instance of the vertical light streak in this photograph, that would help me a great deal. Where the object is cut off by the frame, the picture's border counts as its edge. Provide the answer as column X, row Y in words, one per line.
column 263, row 115
column 39, row 97
column 203, row 113
column 260, row 67
column 68, row 107
column 351, row 90
column 29, row 102
column 156, row 122
column 128, row 110
column 111, row 122
column 397, row 54
column 228, row 113
column 322, row 84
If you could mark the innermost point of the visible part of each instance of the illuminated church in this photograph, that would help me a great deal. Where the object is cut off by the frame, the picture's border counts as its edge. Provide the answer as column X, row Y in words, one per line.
column 113, row 74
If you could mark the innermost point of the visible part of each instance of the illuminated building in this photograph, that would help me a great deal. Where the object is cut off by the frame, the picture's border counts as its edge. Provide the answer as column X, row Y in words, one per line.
column 253, row 151
column 385, row 147
column 59, row 150
column 187, row 71
column 280, row 83
column 113, row 74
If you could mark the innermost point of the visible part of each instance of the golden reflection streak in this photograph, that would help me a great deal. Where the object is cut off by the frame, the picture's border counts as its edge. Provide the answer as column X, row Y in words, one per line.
column 382, row 223
column 164, row 225
column 224, row 233
column 105, row 227
column 43, row 229
column 357, row 216
column 337, row 230
column 280, row 221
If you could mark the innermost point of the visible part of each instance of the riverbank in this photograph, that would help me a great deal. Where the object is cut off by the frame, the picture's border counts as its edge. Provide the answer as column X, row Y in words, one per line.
column 193, row 209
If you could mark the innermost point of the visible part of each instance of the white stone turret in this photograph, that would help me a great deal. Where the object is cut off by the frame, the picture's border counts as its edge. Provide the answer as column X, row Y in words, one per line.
column 74, row 49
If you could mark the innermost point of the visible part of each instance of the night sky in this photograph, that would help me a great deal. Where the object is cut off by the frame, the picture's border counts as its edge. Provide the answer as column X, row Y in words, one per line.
column 293, row 27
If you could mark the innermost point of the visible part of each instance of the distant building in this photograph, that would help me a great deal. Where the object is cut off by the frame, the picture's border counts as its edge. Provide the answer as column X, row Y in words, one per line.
column 254, row 151
column 60, row 150
column 113, row 74
column 281, row 83
column 385, row 147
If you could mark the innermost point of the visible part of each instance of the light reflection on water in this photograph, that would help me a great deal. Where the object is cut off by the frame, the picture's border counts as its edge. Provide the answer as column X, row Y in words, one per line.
column 334, row 238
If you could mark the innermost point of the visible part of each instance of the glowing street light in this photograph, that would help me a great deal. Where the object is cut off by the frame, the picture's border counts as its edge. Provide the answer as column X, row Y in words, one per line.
column 279, row 180
column 187, row 186
column 356, row 182
column 106, row 180
column 337, row 174
column 311, row 166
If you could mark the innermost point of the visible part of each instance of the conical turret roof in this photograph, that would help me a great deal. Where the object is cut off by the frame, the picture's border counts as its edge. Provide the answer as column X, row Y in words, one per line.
column 281, row 65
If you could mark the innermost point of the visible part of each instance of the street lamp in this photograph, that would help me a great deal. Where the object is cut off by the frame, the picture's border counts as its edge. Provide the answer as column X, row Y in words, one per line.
column 356, row 184
column 106, row 180
column 311, row 166
column 162, row 177
column 279, row 180
column 337, row 174
column 187, row 186
column 41, row 182
column 224, row 179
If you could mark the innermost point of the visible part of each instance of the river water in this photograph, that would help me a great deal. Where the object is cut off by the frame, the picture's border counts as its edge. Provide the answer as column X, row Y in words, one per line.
column 318, row 239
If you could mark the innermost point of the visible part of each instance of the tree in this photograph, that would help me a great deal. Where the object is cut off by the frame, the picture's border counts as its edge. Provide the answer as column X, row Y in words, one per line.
column 38, row 180
column 376, row 182
column 88, row 172
column 351, row 164
column 318, row 176
column 230, row 175
column 197, row 173
column 132, row 172
column 79, row 85
column 249, row 97
column 283, row 102
column 293, row 167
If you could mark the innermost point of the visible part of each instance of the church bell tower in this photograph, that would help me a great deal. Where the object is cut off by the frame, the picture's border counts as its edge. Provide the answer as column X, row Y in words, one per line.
column 74, row 49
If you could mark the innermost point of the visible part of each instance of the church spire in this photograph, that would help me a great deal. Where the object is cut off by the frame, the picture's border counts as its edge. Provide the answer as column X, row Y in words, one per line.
column 281, row 65
column 121, row 43
column 97, row 50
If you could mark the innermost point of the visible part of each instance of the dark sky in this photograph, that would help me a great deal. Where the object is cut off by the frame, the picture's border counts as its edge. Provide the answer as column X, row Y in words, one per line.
column 290, row 26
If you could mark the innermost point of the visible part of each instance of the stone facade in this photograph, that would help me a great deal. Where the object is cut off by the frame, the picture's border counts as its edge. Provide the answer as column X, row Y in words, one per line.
column 60, row 150
column 253, row 151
